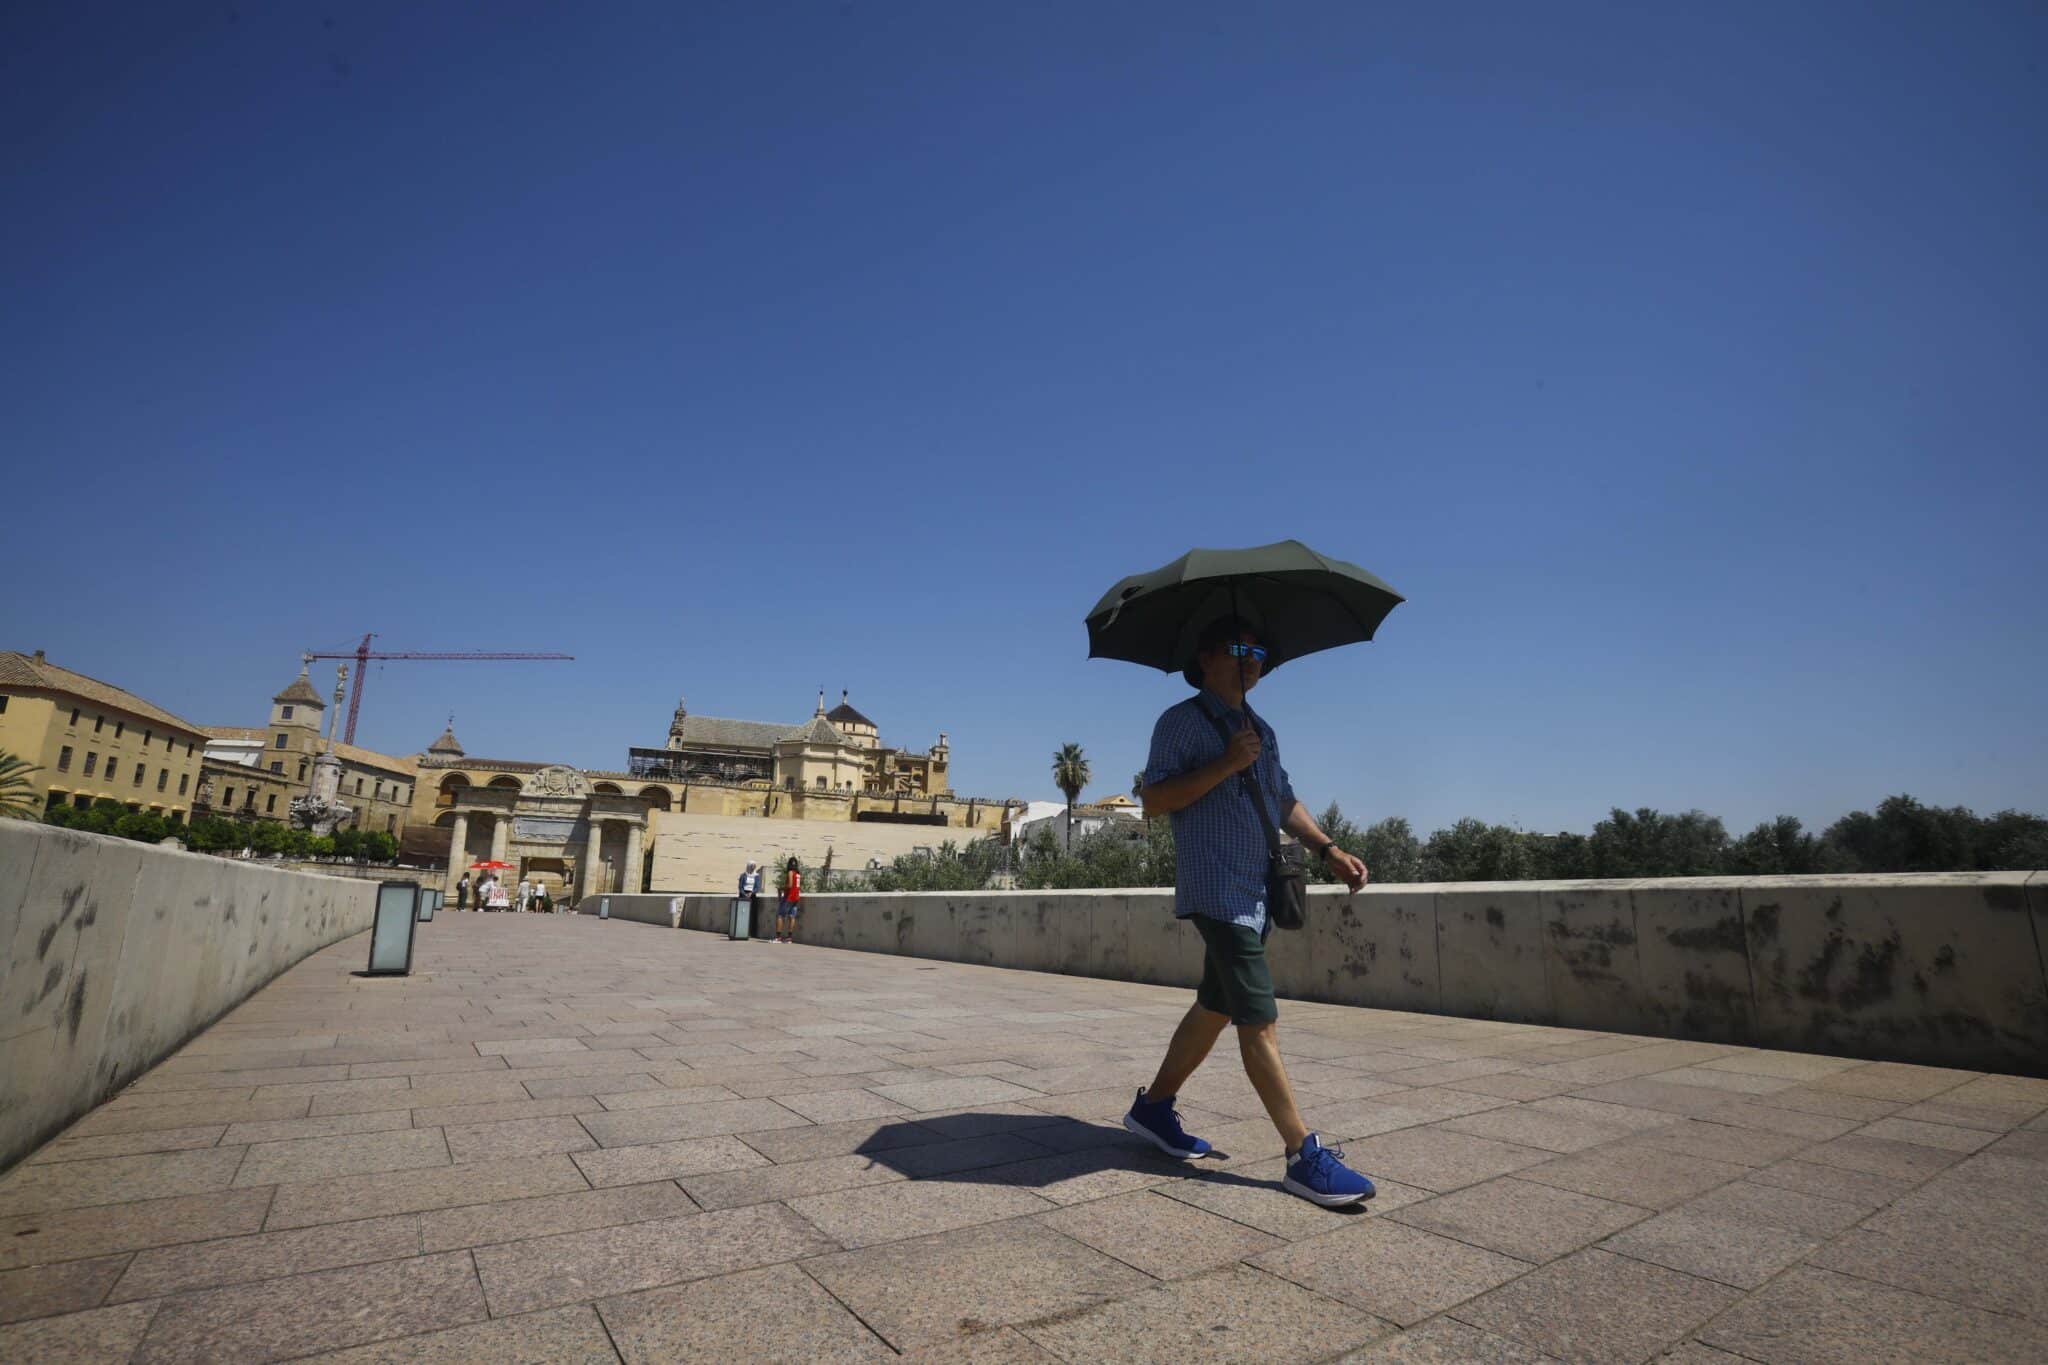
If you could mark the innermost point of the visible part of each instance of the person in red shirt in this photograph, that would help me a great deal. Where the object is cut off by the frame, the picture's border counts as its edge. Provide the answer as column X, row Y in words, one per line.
column 792, row 902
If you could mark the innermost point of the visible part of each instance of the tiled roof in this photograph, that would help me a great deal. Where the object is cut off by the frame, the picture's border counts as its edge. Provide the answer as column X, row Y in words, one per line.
column 503, row 765
column 712, row 732
column 22, row 670
column 348, row 753
column 817, row 730
column 447, row 743
column 300, row 691
column 844, row 714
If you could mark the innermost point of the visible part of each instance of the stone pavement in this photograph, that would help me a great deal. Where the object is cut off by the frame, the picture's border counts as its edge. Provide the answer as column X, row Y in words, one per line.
column 566, row 1139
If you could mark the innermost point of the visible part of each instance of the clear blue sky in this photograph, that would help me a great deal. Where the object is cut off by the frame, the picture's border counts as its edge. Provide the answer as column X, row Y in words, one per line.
column 1685, row 370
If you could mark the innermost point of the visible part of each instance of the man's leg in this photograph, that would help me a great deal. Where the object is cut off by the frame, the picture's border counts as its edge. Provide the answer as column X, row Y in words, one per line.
column 1259, row 1044
column 1199, row 1029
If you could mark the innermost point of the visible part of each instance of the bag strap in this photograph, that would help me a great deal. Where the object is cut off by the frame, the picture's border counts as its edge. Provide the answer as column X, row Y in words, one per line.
column 1251, row 782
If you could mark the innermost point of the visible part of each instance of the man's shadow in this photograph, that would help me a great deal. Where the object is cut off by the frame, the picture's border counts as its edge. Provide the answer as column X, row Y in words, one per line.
column 1032, row 1153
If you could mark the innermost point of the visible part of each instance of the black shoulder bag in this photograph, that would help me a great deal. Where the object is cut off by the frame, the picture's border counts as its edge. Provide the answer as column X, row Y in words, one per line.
column 1286, row 882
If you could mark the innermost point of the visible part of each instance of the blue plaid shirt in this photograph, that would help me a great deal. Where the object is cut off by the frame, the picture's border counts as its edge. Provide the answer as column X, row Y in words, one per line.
column 1219, row 841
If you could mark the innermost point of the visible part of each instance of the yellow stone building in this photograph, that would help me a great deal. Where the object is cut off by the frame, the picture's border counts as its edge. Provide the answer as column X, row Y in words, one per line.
column 91, row 740
column 251, row 770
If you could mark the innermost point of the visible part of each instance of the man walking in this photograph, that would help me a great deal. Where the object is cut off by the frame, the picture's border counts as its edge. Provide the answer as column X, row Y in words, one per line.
column 1199, row 748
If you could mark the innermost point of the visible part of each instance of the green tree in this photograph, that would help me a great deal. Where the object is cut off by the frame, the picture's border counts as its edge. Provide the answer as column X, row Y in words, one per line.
column 1650, row 843
column 1391, row 851
column 18, row 798
column 377, row 846
column 1070, row 775
column 1474, row 851
column 143, row 826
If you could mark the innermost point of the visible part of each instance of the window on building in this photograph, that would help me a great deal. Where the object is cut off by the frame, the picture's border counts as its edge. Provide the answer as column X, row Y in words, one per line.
column 280, row 739
column 170, row 746
column 359, row 786
column 3, row 703
column 821, row 784
column 64, row 759
column 147, row 736
column 188, row 748
column 74, row 715
column 183, row 778
column 99, row 723
column 270, row 804
column 377, row 792
column 177, row 817
column 140, row 769
column 285, row 714
column 302, row 771
column 277, row 766
column 227, row 797
column 119, row 726
column 82, row 801
column 92, row 760
column 163, row 778
column 391, row 824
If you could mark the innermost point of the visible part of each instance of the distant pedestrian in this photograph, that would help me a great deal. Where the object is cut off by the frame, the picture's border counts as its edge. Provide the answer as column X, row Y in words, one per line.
column 525, row 895
column 792, row 902
column 462, row 893
column 542, row 905
column 1215, row 769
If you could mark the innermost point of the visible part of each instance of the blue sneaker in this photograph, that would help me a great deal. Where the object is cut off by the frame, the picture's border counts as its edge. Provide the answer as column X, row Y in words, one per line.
column 1159, row 1123
column 1318, row 1174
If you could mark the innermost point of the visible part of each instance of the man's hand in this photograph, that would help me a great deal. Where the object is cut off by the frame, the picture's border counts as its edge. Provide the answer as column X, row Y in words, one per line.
column 1348, row 868
column 1243, row 750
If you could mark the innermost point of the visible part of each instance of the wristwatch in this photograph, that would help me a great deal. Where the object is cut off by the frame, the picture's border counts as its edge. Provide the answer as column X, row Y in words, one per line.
column 1324, row 851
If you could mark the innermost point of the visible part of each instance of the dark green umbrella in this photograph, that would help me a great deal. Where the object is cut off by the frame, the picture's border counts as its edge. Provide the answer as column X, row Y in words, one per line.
column 1298, row 601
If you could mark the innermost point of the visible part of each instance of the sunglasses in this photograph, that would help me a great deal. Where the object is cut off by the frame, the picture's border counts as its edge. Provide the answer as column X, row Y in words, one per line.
column 1238, row 649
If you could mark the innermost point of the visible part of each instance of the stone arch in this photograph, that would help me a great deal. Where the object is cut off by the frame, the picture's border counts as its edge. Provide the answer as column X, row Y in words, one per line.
column 503, row 783
column 607, row 789
column 657, row 798
column 445, row 820
column 451, row 787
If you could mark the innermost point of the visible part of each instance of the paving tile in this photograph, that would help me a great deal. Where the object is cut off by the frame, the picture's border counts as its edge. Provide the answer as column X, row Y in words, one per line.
column 1090, row 1173
column 613, row 1083
column 1252, row 1195
column 934, row 1290
column 1747, row 1202
column 1723, row 1142
column 865, row 1136
column 1598, row 1307
column 954, row 1092
column 662, row 1097
column 1791, row 1066
column 1633, row 1174
column 508, row 1046
column 832, row 1106
column 1832, row 1104
column 1832, row 1182
column 966, row 1154
column 129, row 1144
column 42, row 1238
column 457, row 1115
column 109, row 1334
column 1894, row 1081
column 161, row 1081
column 1521, row 1218
column 1598, row 1111
column 266, row 1255
column 545, row 1215
column 432, row 1066
column 1391, row 1270
column 542, row 1272
column 983, row 1120
column 303, row 1159
column 1510, row 1085
column 1165, row 1238
column 1993, row 1266
column 892, row 1212
column 516, row 1137
column 1995, row 1118
column 1435, row 1159
column 33, row 1188
column 362, row 1196
column 1898, row 1160
column 1446, row 1341
column 772, row 1315
column 46, row 1290
column 1948, row 1137
column 1769, row 1118
column 320, row 1311
column 665, row 1160
column 332, row 1125
column 1237, row 1314
column 568, row 1336
column 1539, row 1128
column 1740, row 1253
column 688, row 1121
column 763, row 1184
column 2022, row 1146
column 444, row 1090
column 1817, row 1317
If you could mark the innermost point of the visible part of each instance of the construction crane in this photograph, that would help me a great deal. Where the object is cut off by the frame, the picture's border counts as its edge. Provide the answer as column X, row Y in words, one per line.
column 362, row 654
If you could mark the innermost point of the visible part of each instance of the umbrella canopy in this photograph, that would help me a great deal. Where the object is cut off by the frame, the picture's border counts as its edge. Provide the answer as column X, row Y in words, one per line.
column 490, row 865
column 1297, row 600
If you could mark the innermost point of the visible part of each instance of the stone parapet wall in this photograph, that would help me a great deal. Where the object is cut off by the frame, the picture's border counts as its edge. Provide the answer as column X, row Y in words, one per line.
column 1940, row 969
column 118, row 952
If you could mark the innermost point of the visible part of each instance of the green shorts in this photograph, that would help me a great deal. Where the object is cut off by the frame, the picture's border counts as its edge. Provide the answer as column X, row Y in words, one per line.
column 1235, row 980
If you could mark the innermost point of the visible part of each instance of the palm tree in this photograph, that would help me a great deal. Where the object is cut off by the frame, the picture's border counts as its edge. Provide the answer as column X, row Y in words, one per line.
column 17, row 793
column 1070, row 775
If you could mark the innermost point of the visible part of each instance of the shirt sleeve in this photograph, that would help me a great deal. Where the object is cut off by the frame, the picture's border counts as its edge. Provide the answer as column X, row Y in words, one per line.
column 1171, row 754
